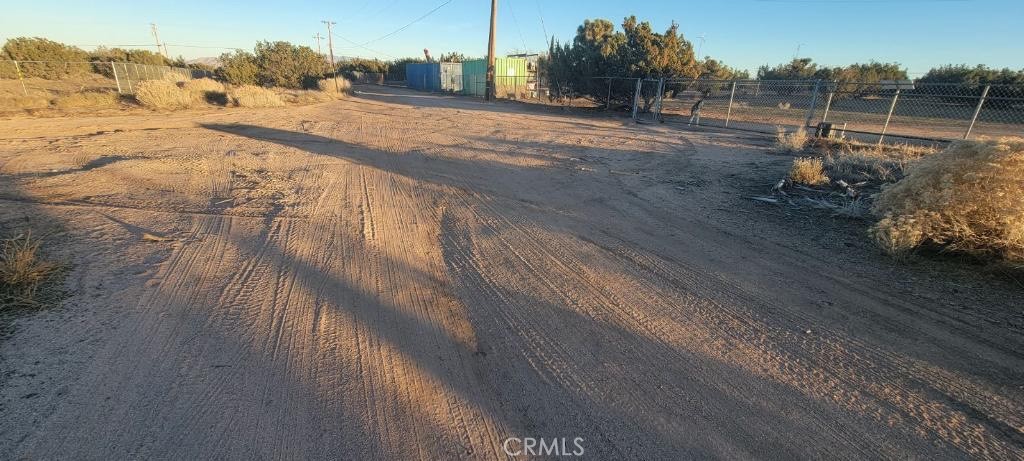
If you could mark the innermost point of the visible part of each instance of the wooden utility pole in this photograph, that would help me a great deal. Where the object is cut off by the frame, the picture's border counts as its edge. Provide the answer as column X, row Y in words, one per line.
column 318, row 37
column 152, row 28
column 330, row 48
column 318, row 51
column 490, row 51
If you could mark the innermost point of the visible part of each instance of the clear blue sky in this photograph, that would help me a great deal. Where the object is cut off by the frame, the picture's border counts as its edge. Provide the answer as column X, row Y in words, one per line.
column 744, row 33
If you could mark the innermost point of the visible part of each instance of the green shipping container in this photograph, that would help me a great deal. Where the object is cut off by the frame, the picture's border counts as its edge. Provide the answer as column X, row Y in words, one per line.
column 510, row 78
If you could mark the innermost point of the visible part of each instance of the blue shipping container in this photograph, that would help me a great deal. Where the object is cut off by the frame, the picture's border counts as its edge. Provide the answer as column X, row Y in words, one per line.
column 423, row 76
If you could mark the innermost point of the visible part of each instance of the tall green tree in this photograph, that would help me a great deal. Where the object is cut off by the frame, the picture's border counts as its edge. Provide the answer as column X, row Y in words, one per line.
column 54, row 60
column 286, row 65
column 598, row 50
column 238, row 68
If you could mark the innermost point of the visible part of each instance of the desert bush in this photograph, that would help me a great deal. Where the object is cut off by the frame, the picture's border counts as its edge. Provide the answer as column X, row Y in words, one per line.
column 238, row 68
column 62, row 60
column 87, row 100
column 807, row 170
column 32, row 101
column 966, row 198
column 22, row 271
column 162, row 95
column 303, row 97
column 790, row 142
column 254, row 96
column 206, row 90
column 598, row 50
column 284, row 65
column 334, row 85
column 854, row 161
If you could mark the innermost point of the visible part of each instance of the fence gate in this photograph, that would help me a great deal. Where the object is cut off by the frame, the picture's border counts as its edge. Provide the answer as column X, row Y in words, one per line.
column 648, row 100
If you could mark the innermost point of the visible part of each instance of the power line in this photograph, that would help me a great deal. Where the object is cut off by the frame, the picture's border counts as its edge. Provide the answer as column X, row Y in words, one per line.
column 382, row 37
column 356, row 45
column 542, row 26
column 516, row 22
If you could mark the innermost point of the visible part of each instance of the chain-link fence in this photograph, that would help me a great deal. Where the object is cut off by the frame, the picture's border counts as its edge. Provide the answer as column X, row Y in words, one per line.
column 46, row 77
column 869, row 111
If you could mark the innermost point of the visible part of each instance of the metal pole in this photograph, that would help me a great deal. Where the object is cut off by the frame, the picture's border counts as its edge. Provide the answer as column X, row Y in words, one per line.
column 116, row 80
column 889, row 117
column 330, row 49
column 828, row 102
column 977, row 110
column 814, row 102
column 608, row 101
column 490, row 50
column 17, row 69
column 728, row 112
column 658, row 100
column 636, row 97
column 128, row 77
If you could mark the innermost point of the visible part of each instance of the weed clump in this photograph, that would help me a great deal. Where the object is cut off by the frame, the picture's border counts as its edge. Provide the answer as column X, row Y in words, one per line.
column 254, row 96
column 808, row 170
column 162, row 95
column 336, row 85
column 967, row 198
column 22, row 271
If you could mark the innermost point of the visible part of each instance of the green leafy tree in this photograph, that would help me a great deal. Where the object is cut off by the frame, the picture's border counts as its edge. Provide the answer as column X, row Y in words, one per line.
column 797, row 69
column 59, row 60
column 285, row 65
column 713, row 69
column 363, row 65
column 396, row 68
column 454, row 56
column 598, row 50
column 1008, row 84
column 238, row 68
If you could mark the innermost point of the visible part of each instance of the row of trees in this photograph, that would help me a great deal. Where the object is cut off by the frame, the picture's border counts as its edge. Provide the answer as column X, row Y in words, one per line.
column 52, row 60
column 279, row 64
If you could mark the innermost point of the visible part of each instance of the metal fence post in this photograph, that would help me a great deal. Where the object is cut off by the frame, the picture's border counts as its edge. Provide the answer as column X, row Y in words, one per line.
column 116, row 80
column 728, row 112
column 636, row 97
column 658, row 99
column 828, row 102
column 892, row 107
column 17, row 69
column 608, row 101
column 128, row 77
column 977, row 110
column 814, row 102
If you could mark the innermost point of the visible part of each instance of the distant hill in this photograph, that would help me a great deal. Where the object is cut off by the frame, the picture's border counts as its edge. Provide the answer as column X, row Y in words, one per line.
column 209, row 61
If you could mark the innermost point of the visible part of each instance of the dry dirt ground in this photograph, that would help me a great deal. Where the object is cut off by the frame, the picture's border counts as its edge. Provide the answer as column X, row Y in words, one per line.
column 402, row 275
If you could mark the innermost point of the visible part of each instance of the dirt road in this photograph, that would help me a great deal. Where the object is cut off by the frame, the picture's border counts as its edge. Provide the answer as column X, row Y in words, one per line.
column 402, row 275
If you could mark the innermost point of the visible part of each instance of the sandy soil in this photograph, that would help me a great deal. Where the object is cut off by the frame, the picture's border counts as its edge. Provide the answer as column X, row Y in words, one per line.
column 402, row 275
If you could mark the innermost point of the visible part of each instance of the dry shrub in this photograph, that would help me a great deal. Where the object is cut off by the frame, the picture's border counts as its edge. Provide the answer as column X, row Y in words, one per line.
column 162, row 95
column 854, row 161
column 303, row 97
column 206, row 90
column 87, row 100
column 24, row 102
column 807, row 170
column 172, row 76
column 22, row 271
column 790, row 142
column 967, row 198
column 336, row 85
column 254, row 96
